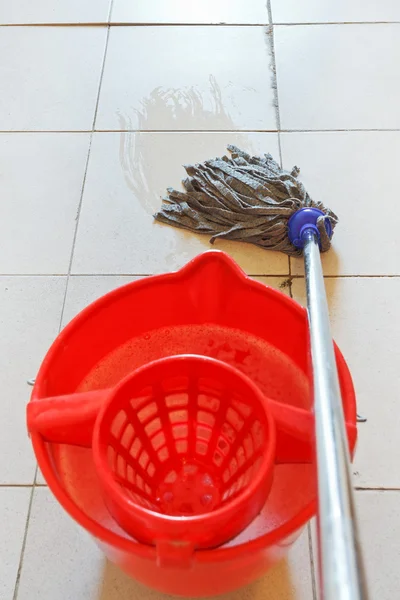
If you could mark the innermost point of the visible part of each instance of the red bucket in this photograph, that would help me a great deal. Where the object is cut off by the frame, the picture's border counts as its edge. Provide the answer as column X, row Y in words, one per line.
column 208, row 308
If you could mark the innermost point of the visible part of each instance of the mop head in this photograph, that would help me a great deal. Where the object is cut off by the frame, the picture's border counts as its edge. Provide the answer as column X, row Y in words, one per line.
column 244, row 198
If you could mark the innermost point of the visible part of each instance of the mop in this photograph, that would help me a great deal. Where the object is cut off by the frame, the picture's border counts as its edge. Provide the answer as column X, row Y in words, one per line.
column 251, row 199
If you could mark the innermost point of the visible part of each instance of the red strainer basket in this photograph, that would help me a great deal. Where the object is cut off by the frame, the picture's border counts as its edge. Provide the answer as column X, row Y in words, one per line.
column 184, row 449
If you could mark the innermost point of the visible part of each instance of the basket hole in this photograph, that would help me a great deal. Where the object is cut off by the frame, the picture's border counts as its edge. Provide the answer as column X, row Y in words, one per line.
column 139, row 482
column 203, row 433
column 143, row 397
column 118, row 423
column 163, row 454
column 208, row 402
column 135, row 448
column 153, row 427
column 248, row 446
column 228, row 432
column 233, row 466
column 180, row 431
column 218, row 459
column 233, row 489
column 127, row 436
column 179, row 399
column 158, row 440
column 190, row 469
column 151, row 469
column 181, row 446
column 223, row 445
column 241, row 456
column 121, row 466
column 147, row 412
column 234, row 419
column 244, row 409
column 144, row 459
column 206, row 418
column 258, row 435
column 178, row 416
column 241, row 482
column 171, row 477
column 130, row 475
column 201, row 447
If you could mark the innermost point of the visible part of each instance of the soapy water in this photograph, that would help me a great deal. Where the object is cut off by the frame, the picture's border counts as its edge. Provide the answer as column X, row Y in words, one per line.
column 277, row 376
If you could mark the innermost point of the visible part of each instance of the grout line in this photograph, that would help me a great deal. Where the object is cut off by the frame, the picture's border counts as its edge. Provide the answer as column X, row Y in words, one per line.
column 22, row 485
column 339, row 130
column 21, row 558
column 75, row 232
column 44, row 485
column 270, row 275
column 224, row 131
column 313, row 575
column 33, row 274
column 377, row 489
column 110, row 11
column 84, row 182
column 270, row 36
column 101, row 79
column 352, row 276
column 176, row 24
column 339, row 23
column 134, row 24
column 206, row 131
column 277, row 111
column 199, row 24
column 292, row 276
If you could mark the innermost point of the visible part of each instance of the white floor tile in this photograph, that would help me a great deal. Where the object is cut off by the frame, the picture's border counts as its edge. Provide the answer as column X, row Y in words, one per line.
column 42, row 177
column 380, row 536
column 29, row 321
column 379, row 525
column 75, row 568
column 365, row 324
column 314, row 11
column 14, row 504
column 127, row 176
column 50, row 77
column 181, row 11
column 61, row 562
column 22, row 12
column 82, row 291
column 338, row 76
column 355, row 174
column 187, row 78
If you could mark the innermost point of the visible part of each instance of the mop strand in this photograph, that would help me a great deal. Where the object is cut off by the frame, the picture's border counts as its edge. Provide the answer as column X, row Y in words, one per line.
column 243, row 198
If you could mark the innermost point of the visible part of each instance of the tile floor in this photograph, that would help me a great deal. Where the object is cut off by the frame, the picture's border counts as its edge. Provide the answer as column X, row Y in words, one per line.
column 102, row 102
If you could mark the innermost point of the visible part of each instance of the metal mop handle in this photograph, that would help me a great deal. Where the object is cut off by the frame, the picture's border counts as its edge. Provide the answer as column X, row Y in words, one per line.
column 342, row 570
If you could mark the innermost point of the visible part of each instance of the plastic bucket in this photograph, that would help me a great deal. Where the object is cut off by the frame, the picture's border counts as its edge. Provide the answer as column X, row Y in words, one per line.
column 209, row 307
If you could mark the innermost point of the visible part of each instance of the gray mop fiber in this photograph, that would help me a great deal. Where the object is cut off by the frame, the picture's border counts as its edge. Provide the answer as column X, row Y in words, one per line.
column 244, row 198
